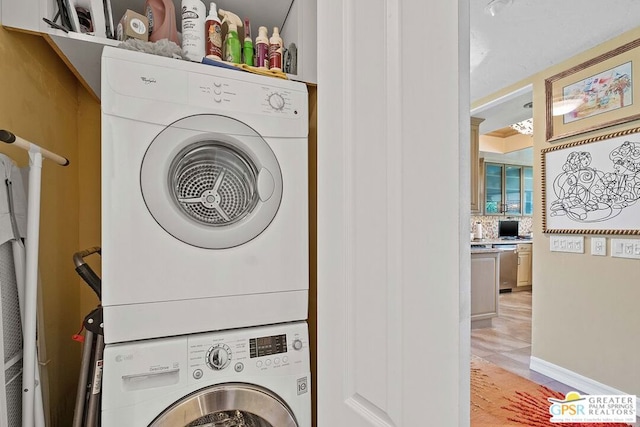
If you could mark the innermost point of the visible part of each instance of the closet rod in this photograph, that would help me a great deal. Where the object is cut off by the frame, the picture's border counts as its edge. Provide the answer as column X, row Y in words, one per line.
column 10, row 138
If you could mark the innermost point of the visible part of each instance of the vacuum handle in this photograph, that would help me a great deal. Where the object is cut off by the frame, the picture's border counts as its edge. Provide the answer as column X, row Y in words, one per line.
column 87, row 274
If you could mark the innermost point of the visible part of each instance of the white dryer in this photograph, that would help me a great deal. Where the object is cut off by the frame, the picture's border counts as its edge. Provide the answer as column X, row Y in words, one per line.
column 204, row 197
column 257, row 377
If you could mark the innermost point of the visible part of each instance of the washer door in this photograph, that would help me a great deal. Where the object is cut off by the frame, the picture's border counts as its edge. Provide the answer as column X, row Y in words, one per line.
column 211, row 181
column 228, row 405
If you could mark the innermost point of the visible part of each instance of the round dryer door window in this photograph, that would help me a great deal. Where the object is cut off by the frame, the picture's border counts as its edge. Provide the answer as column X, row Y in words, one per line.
column 228, row 405
column 211, row 181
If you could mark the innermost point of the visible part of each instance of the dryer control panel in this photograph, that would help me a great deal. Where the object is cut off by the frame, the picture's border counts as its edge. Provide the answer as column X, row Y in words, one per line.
column 273, row 350
column 210, row 91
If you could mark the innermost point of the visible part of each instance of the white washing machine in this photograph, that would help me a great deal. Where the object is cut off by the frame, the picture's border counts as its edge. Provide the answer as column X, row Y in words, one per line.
column 204, row 197
column 253, row 377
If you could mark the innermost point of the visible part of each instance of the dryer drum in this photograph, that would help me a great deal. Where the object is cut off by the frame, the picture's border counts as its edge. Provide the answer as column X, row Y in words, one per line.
column 230, row 419
column 228, row 405
column 213, row 183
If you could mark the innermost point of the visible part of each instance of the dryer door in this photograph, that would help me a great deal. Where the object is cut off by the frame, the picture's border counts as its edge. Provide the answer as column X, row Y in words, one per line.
column 228, row 405
column 211, row 181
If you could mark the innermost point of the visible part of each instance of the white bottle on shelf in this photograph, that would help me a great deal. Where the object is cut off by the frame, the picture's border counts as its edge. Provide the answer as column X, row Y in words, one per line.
column 193, row 14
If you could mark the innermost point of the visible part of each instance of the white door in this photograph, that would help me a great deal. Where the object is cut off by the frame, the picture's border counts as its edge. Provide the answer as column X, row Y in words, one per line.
column 393, row 204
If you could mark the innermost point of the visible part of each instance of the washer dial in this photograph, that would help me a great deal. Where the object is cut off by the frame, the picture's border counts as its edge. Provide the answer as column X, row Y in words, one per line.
column 218, row 357
column 276, row 101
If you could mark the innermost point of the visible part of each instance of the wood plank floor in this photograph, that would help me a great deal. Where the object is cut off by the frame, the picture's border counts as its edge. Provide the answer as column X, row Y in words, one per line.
column 508, row 343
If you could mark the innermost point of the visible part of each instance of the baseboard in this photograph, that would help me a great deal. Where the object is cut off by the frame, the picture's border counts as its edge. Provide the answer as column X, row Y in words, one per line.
column 575, row 380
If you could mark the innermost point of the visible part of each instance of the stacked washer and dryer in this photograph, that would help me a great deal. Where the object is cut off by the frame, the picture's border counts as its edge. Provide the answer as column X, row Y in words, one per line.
column 205, row 272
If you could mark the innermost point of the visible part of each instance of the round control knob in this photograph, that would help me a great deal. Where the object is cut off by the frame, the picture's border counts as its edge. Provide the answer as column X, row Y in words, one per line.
column 276, row 101
column 218, row 357
column 297, row 344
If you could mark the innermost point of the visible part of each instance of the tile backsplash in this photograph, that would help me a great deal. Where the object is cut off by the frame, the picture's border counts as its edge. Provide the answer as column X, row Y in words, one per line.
column 490, row 225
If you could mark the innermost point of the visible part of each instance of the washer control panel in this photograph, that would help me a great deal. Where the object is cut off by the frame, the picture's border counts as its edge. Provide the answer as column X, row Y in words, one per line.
column 269, row 350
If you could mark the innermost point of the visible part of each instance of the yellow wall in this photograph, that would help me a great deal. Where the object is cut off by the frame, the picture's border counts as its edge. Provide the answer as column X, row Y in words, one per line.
column 495, row 144
column 42, row 102
column 585, row 308
column 89, row 176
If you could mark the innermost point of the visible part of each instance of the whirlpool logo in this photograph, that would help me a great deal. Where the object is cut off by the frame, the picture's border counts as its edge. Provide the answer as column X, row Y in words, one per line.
column 148, row 80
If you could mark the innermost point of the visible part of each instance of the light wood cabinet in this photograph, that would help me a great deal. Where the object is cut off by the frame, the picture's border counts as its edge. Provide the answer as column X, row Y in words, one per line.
column 485, row 287
column 524, row 264
column 475, row 165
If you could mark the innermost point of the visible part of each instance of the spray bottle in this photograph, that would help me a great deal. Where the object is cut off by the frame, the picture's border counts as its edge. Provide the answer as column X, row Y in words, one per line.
column 232, row 49
column 213, row 34
column 262, row 48
column 247, row 47
column 275, row 50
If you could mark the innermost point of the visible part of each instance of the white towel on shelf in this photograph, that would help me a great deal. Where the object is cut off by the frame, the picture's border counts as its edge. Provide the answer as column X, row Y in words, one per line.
column 10, row 172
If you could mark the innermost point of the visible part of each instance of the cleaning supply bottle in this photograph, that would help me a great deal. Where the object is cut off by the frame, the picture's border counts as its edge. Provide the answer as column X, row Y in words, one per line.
column 262, row 48
column 162, row 20
column 247, row 47
column 213, row 34
column 275, row 51
column 232, row 50
column 193, row 13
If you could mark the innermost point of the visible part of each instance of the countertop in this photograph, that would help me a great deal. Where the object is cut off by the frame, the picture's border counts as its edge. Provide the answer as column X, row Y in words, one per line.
column 484, row 250
column 500, row 241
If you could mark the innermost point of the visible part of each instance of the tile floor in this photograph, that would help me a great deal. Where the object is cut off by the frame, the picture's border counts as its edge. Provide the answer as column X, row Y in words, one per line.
column 508, row 343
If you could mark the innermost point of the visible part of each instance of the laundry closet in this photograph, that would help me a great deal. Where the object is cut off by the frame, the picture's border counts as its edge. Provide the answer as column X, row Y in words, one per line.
column 278, row 190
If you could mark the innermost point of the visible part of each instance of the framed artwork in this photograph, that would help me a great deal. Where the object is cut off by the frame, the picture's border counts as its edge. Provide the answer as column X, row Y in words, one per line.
column 595, row 94
column 592, row 186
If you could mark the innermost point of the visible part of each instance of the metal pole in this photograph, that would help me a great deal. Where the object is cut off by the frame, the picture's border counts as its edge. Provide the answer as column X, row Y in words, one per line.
column 93, row 412
column 85, row 367
column 31, row 287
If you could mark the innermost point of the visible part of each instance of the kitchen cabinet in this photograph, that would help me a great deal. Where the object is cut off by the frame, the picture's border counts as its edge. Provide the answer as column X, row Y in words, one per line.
column 527, row 188
column 508, row 189
column 485, row 286
column 524, row 264
column 475, row 165
column 82, row 52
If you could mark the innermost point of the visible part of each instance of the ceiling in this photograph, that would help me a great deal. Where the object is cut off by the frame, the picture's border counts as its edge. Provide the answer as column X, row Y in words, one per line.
column 528, row 36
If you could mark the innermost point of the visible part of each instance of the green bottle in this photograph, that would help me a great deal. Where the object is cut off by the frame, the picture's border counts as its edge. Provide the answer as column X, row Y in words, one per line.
column 247, row 49
column 232, row 48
